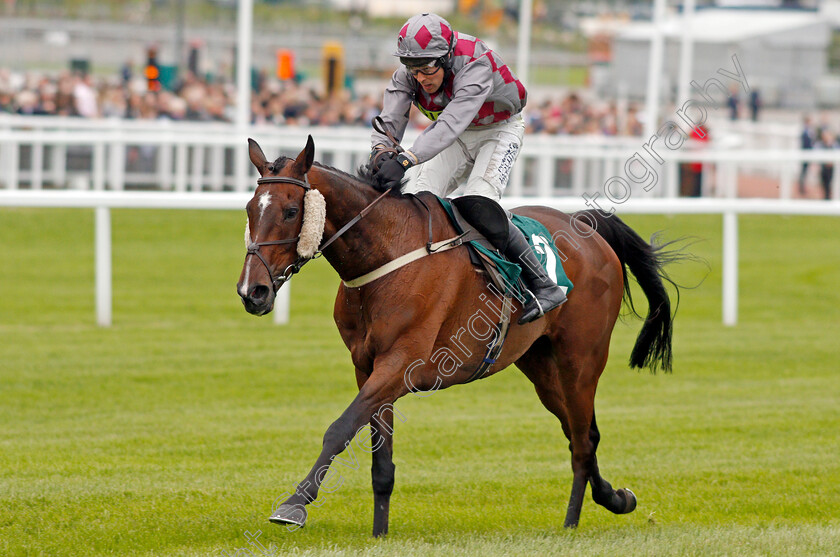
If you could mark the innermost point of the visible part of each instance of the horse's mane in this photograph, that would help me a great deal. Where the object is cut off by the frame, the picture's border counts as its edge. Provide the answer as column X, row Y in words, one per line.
column 363, row 176
column 279, row 164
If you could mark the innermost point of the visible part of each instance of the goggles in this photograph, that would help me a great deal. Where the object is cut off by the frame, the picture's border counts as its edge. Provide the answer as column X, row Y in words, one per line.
column 428, row 69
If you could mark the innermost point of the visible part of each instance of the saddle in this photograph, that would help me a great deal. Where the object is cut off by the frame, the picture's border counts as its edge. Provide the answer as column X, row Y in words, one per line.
column 482, row 262
column 501, row 274
column 485, row 265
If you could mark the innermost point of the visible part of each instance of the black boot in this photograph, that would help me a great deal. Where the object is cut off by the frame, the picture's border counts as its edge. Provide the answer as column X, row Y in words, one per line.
column 488, row 217
column 547, row 295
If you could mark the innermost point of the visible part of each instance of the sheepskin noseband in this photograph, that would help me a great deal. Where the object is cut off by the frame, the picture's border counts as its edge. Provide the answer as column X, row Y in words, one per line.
column 314, row 220
column 312, row 228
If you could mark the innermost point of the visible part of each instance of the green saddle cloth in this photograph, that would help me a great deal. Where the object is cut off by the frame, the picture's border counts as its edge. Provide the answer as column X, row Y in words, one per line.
column 539, row 239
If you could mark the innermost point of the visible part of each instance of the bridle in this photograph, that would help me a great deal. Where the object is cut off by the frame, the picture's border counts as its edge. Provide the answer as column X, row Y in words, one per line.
column 297, row 264
column 254, row 247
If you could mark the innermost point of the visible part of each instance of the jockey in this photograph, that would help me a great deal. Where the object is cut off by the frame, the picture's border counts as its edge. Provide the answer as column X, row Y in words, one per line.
column 474, row 102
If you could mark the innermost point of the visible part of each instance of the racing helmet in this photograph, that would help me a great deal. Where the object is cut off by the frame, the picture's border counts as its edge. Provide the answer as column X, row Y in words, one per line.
column 425, row 36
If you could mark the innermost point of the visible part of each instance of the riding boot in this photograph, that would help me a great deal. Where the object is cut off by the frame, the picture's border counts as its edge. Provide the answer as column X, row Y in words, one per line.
column 546, row 294
column 488, row 217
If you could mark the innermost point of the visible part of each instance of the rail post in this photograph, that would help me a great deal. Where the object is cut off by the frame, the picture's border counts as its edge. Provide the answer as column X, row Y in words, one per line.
column 103, row 266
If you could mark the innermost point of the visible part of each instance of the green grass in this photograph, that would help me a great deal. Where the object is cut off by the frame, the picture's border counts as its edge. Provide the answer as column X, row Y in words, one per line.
column 568, row 76
column 172, row 432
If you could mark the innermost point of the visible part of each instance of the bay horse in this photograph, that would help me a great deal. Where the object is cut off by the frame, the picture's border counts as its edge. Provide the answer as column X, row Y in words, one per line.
column 406, row 330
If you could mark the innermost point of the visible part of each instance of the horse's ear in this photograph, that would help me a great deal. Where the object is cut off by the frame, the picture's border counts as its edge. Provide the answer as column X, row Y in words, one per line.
column 307, row 156
column 257, row 156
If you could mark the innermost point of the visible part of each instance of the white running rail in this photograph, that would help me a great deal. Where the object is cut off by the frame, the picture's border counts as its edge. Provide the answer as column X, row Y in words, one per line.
column 104, row 201
column 113, row 154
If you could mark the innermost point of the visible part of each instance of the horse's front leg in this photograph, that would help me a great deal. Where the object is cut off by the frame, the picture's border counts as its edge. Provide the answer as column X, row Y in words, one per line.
column 382, row 471
column 382, row 465
column 375, row 398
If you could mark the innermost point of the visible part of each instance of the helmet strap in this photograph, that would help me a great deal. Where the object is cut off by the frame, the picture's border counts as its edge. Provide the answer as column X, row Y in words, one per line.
column 446, row 60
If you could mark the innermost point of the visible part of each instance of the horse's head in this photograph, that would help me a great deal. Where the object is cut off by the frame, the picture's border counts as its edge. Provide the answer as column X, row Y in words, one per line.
column 282, row 231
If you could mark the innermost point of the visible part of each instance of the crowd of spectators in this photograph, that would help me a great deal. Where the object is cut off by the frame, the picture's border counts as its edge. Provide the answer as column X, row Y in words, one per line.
column 571, row 115
column 818, row 136
column 281, row 103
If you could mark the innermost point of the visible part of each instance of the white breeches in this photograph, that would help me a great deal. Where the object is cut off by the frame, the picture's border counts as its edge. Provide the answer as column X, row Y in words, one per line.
column 480, row 162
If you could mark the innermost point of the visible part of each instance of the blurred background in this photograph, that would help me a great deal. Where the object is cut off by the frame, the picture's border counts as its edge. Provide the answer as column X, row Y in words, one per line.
column 588, row 68
column 143, row 412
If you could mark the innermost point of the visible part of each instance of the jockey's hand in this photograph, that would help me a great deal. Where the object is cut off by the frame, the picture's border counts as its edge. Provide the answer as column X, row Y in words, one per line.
column 378, row 156
column 392, row 171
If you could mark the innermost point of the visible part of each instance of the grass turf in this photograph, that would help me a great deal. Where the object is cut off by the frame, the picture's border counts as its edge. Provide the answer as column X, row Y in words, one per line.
column 173, row 432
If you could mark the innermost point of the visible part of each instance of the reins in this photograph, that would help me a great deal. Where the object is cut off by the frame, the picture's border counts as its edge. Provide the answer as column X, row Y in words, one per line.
column 353, row 221
column 297, row 265
column 430, row 248
column 379, row 127
column 501, row 329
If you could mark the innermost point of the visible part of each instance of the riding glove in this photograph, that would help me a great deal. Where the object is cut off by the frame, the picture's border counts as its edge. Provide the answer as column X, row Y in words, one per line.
column 378, row 156
column 392, row 171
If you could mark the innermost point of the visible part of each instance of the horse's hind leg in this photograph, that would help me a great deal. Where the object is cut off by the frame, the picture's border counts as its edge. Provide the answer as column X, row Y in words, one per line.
column 541, row 367
column 579, row 379
column 569, row 393
column 619, row 501
column 579, row 400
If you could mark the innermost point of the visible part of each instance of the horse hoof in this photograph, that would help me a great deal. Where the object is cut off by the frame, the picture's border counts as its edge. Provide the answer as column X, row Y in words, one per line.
column 294, row 515
column 629, row 500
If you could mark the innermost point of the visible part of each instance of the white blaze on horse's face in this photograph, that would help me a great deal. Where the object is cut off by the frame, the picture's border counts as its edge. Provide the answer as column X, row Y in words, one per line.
column 243, row 291
column 265, row 201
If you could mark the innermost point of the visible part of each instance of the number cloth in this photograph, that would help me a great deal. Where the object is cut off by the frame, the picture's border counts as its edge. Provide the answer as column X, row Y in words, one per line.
column 539, row 239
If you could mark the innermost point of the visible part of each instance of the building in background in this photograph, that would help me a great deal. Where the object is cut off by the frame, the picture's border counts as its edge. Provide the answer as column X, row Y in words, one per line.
column 401, row 8
column 783, row 52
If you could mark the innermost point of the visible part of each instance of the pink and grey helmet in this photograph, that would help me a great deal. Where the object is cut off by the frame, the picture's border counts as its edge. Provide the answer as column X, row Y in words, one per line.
column 425, row 36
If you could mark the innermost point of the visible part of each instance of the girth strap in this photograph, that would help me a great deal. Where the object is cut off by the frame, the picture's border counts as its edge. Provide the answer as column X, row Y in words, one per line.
column 404, row 260
column 502, row 327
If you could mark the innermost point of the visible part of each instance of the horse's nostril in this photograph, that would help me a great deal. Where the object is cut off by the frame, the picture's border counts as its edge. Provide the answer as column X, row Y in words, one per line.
column 259, row 293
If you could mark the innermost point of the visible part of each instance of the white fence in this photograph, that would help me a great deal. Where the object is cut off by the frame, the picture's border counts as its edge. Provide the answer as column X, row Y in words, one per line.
column 45, row 160
column 50, row 152
column 103, row 201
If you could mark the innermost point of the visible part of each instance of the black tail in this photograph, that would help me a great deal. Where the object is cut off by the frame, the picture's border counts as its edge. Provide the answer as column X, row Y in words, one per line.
column 646, row 262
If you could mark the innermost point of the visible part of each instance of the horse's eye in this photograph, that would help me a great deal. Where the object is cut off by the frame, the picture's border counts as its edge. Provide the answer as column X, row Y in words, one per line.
column 289, row 213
